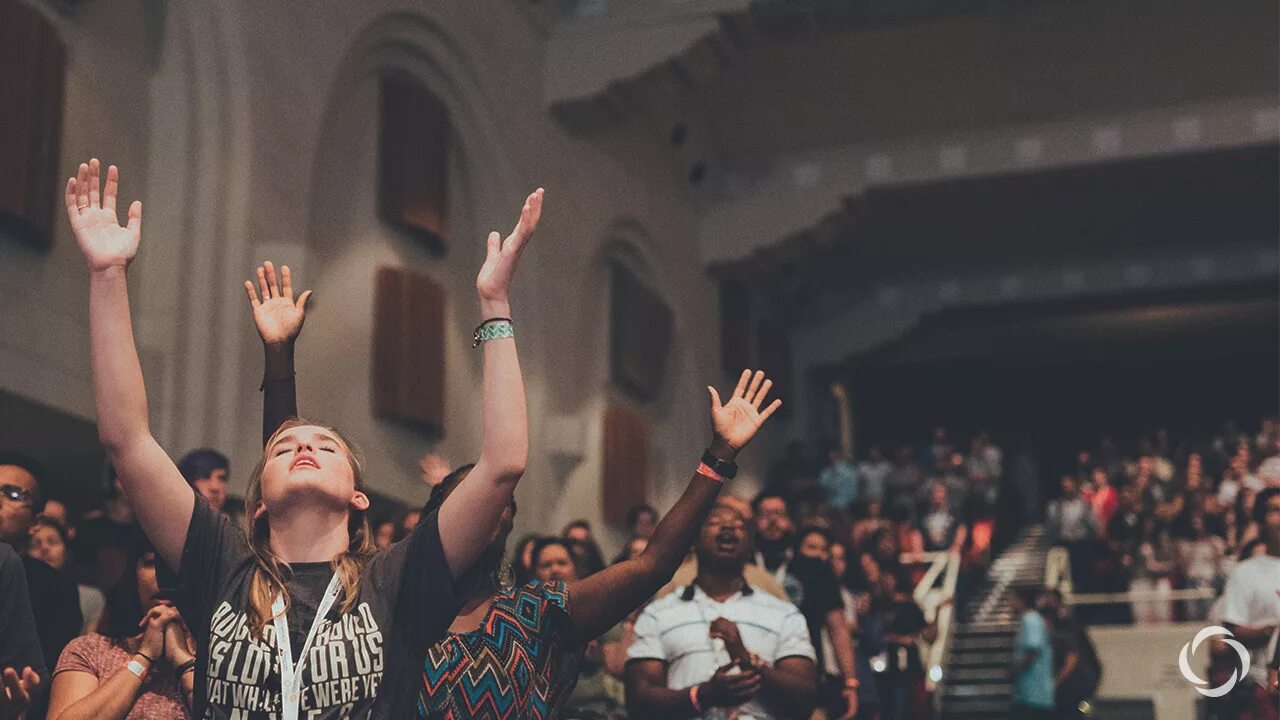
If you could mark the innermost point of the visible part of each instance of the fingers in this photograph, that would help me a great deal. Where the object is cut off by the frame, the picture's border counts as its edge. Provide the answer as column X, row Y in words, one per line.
column 773, row 407
column 287, row 279
column 273, row 282
column 15, row 690
column 95, row 168
column 253, row 294
column 302, row 299
column 110, row 190
column 73, row 206
column 755, row 385
column 493, row 246
column 715, row 398
column 742, row 384
column 530, row 214
column 263, row 285
column 761, row 394
column 135, row 217
column 82, row 186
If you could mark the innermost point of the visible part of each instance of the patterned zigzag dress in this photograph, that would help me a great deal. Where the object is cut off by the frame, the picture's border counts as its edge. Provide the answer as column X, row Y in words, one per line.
column 517, row 664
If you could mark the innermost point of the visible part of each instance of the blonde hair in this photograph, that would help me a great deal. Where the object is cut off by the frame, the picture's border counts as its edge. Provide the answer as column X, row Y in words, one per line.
column 268, row 576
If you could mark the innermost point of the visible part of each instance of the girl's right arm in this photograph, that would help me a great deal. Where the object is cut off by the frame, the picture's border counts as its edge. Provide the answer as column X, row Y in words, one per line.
column 159, row 496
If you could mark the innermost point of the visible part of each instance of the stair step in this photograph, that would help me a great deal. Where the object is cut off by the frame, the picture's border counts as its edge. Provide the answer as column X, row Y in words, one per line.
column 986, row 628
column 975, row 659
column 977, row 675
column 992, row 690
column 983, row 643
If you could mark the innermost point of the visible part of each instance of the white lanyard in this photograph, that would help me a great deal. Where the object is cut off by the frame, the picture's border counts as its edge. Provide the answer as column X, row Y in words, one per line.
column 291, row 677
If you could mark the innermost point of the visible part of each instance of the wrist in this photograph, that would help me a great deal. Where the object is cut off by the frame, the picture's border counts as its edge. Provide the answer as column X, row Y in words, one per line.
column 494, row 307
column 722, row 450
column 112, row 271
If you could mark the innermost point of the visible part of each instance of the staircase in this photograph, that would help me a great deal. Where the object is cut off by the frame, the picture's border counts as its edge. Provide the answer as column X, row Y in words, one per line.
column 976, row 682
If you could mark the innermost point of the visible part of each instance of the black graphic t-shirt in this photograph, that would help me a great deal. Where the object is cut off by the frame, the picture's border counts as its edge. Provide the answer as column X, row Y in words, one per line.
column 361, row 664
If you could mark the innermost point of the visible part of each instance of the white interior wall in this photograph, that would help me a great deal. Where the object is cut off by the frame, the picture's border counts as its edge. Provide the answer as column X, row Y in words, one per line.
column 249, row 131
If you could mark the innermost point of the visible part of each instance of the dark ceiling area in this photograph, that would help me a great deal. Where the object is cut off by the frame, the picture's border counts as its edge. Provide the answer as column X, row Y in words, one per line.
column 1055, row 375
column 1200, row 202
column 1223, row 321
column 1187, row 201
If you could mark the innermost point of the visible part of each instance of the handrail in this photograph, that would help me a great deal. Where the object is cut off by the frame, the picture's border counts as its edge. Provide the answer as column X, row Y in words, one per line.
column 1057, row 571
column 934, row 594
column 1112, row 598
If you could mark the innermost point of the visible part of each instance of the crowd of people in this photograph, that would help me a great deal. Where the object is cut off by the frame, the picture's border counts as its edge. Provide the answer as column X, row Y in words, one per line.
column 172, row 599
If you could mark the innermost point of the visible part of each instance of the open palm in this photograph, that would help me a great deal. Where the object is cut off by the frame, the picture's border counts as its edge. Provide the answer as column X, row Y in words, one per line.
column 104, row 242
column 494, row 280
column 277, row 315
column 738, row 420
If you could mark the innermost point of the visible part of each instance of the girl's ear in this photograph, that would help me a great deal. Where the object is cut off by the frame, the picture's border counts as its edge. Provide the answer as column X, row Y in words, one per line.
column 257, row 514
column 360, row 501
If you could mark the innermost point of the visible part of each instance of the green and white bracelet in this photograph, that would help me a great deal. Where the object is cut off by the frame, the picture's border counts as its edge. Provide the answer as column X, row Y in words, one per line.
column 493, row 329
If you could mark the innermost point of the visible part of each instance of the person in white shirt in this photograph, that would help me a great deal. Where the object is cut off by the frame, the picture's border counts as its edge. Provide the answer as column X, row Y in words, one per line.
column 718, row 646
column 874, row 472
column 1250, row 604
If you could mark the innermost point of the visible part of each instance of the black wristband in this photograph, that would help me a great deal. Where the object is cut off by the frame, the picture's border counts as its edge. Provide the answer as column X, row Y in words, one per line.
column 184, row 667
column 723, row 468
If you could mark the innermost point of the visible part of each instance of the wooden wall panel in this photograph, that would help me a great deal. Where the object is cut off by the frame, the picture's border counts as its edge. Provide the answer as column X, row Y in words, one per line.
column 413, row 161
column 627, row 438
column 32, row 76
column 408, row 349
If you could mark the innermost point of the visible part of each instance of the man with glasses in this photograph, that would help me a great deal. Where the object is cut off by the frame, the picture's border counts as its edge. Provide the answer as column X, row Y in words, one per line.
column 54, row 597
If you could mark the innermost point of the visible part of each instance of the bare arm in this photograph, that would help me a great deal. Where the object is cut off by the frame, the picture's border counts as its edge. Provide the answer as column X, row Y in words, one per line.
column 1069, row 662
column 603, row 599
column 1253, row 636
column 469, row 515
column 279, row 320
column 160, row 497
column 790, row 686
column 842, row 646
column 649, row 696
column 77, row 695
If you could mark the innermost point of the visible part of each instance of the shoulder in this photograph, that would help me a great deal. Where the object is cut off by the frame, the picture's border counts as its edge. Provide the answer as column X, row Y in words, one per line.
column 90, row 653
column 764, row 602
column 9, row 559
column 665, row 604
column 1260, row 569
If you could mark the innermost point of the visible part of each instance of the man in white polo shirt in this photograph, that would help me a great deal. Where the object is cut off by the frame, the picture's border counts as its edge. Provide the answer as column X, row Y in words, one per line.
column 717, row 646
column 1250, row 603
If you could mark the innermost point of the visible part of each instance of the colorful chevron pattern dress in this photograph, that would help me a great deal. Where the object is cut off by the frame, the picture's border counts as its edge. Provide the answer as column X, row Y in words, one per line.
column 517, row 664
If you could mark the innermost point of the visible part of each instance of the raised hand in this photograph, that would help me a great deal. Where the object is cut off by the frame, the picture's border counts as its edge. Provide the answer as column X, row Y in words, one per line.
column 15, row 693
column 726, row 630
column 103, row 241
column 277, row 315
column 494, row 280
column 737, row 421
